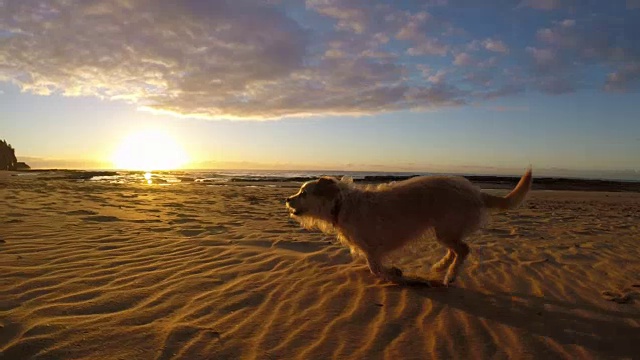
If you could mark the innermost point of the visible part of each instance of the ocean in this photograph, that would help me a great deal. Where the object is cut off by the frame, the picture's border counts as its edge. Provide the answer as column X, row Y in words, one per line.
column 275, row 177
column 203, row 176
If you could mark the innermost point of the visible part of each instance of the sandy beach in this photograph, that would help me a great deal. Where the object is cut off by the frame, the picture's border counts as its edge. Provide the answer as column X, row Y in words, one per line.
column 110, row 271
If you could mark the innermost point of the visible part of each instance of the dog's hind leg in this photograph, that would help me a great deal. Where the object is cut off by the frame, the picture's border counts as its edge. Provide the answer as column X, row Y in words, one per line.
column 458, row 251
column 461, row 251
column 444, row 263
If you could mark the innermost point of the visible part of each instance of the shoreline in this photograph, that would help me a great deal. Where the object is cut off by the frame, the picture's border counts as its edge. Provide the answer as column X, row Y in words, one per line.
column 220, row 178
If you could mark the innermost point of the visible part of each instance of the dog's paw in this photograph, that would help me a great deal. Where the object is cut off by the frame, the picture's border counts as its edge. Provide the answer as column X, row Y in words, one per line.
column 393, row 275
column 449, row 279
column 395, row 272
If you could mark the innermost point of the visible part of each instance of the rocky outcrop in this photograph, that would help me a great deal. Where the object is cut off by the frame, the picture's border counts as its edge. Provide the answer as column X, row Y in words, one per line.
column 22, row 166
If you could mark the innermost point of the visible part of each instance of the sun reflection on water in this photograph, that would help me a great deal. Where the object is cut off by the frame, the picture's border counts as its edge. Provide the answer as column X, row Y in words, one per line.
column 147, row 177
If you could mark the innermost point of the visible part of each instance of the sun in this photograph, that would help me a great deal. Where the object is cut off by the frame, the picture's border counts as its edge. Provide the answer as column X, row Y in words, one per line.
column 149, row 150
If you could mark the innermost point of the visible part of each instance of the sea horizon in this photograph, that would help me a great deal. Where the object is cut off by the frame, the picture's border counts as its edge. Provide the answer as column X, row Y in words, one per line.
column 221, row 174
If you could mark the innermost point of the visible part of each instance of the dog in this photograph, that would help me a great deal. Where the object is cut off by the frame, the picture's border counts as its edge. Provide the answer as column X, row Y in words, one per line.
column 373, row 221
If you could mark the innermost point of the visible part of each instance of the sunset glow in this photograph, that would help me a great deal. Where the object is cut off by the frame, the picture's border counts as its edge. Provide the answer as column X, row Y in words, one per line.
column 149, row 150
column 417, row 86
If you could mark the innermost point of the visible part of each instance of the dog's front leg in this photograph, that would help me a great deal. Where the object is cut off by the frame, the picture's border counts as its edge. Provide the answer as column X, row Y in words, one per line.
column 375, row 266
column 444, row 263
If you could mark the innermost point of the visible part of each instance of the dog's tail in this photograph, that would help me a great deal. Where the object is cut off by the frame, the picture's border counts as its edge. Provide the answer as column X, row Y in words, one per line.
column 514, row 198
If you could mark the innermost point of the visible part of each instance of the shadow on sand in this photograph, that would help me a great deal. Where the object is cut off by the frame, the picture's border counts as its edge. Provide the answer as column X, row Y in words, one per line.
column 543, row 316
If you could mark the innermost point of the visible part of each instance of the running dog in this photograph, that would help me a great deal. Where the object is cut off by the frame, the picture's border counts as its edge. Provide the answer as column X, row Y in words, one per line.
column 376, row 220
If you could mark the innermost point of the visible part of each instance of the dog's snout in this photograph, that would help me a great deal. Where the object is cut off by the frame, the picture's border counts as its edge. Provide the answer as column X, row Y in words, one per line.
column 288, row 200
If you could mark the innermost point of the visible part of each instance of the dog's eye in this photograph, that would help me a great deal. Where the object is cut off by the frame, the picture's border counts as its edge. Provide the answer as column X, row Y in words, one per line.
column 303, row 193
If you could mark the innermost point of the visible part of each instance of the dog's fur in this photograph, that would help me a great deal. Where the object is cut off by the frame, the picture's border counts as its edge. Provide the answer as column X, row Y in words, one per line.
column 376, row 220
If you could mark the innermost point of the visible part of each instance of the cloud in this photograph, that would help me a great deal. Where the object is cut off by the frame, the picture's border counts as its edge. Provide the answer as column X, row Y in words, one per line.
column 425, row 70
column 542, row 4
column 488, row 63
column 624, row 79
column 500, row 108
column 438, row 77
column 429, row 47
column 213, row 59
column 598, row 38
column 417, row 29
column 552, row 74
column 353, row 15
column 495, row 46
column 542, row 57
column 462, row 59
column 567, row 23
column 508, row 89
column 480, row 78
column 199, row 57
column 263, row 59
column 567, row 49
column 442, row 94
column 562, row 34
column 633, row 4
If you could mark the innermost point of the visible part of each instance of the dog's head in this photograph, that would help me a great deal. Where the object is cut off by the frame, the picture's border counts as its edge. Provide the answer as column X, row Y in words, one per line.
column 316, row 199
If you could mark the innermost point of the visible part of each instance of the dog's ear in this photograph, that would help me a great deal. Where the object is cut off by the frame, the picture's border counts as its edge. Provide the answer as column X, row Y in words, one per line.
column 327, row 187
column 347, row 179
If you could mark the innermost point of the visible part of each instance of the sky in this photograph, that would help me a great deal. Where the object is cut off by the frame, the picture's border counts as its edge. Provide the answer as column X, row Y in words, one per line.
column 435, row 85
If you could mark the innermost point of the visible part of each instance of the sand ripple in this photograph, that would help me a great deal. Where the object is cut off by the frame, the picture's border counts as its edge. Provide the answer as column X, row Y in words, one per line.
column 135, row 272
